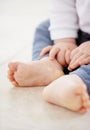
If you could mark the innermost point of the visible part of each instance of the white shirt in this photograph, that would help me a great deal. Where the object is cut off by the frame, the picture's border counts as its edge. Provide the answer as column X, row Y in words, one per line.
column 67, row 16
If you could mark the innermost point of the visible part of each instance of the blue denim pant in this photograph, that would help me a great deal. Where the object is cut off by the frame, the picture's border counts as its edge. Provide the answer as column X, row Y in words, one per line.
column 42, row 39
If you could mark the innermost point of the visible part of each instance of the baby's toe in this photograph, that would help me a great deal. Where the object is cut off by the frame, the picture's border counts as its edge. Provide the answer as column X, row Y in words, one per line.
column 82, row 110
column 10, row 73
column 85, row 102
column 85, row 99
column 15, row 83
column 13, row 66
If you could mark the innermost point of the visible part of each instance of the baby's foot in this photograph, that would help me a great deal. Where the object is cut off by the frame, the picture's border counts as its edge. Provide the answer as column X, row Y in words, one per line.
column 36, row 73
column 68, row 91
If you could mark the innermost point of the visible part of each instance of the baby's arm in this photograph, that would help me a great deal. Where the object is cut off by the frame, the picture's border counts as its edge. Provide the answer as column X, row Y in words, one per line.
column 60, row 50
column 80, row 56
column 64, row 27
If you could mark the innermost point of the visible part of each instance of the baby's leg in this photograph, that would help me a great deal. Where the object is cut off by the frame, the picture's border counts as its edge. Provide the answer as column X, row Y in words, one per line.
column 41, row 40
column 70, row 91
column 40, row 72
column 84, row 73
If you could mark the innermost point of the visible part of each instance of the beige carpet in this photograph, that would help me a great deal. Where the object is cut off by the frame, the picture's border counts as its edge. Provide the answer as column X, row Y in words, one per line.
column 25, row 109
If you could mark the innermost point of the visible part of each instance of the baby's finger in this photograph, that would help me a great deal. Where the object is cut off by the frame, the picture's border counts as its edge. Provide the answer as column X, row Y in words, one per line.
column 85, row 61
column 61, row 58
column 67, row 56
column 76, row 63
column 73, row 53
column 75, row 57
column 73, row 66
column 54, row 51
column 45, row 50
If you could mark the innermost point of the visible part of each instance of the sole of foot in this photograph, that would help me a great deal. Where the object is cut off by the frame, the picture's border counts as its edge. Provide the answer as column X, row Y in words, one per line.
column 68, row 91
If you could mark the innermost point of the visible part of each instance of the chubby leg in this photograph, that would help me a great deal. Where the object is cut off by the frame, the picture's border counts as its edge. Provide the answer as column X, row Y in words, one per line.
column 68, row 91
column 36, row 73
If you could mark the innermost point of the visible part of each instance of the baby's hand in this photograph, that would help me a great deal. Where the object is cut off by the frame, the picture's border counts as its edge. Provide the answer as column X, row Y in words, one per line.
column 80, row 56
column 61, row 51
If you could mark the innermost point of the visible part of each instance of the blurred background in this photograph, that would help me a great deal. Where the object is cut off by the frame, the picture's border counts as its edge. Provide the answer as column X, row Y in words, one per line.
column 18, row 20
